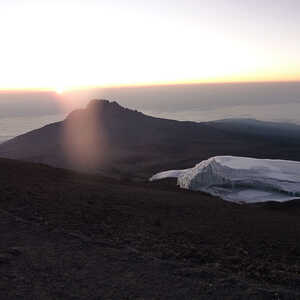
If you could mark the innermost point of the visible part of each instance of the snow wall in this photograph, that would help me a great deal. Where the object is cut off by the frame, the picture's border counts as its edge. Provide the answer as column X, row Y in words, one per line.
column 241, row 179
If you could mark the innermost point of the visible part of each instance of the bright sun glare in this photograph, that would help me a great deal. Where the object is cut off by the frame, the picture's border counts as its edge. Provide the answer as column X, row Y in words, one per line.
column 59, row 90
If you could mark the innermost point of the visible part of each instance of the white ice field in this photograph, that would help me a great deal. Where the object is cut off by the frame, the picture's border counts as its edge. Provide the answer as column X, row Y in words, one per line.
column 241, row 179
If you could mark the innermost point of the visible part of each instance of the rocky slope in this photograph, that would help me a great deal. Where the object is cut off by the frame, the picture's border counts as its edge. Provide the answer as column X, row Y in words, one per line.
column 111, row 140
column 71, row 236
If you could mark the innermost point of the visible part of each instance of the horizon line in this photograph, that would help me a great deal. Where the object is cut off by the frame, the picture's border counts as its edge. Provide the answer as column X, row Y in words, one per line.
column 143, row 85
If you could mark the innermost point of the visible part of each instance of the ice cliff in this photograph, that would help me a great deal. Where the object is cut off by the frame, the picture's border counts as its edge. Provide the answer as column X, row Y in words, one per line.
column 241, row 179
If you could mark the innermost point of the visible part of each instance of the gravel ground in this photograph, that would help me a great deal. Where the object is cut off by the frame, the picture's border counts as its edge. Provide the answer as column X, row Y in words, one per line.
column 71, row 236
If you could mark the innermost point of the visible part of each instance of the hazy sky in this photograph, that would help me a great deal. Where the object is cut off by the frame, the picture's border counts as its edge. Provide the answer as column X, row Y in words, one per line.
column 63, row 44
column 23, row 111
column 173, row 99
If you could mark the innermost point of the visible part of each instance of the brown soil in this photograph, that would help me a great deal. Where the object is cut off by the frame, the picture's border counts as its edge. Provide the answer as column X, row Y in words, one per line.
column 71, row 236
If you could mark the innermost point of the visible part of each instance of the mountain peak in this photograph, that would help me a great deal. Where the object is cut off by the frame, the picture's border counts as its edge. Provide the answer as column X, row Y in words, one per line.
column 100, row 107
column 104, row 104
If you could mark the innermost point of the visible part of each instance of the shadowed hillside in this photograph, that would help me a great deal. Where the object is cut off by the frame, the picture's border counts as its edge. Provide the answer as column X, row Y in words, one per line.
column 279, row 132
column 72, row 236
column 109, row 139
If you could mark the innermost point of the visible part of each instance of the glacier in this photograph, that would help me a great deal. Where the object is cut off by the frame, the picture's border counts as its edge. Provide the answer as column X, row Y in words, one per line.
column 241, row 179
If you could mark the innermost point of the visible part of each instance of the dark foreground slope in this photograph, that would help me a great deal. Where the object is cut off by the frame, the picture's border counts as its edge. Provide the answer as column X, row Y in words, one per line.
column 71, row 236
column 118, row 142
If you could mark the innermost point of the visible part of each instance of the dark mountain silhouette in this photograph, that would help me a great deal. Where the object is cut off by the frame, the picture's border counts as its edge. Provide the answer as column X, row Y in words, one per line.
column 112, row 140
column 277, row 131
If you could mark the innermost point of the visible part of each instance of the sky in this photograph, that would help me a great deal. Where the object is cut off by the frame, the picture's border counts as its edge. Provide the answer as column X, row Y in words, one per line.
column 22, row 111
column 64, row 45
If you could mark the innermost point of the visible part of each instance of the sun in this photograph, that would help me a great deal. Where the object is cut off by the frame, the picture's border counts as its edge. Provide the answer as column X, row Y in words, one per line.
column 59, row 90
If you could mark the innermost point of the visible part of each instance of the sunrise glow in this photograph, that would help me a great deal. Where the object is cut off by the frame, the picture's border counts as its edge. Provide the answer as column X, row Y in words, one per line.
column 59, row 90
column 117, row 45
